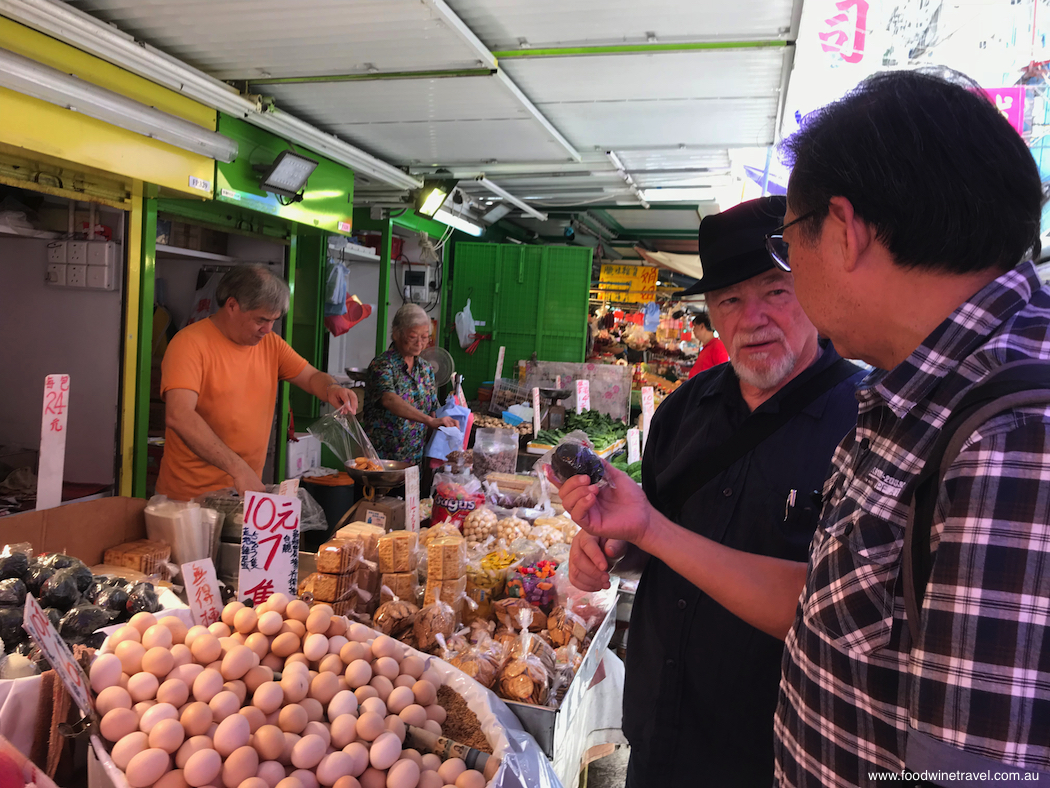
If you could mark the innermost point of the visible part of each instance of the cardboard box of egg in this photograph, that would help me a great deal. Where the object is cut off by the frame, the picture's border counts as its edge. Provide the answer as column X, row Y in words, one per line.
column 283, row 696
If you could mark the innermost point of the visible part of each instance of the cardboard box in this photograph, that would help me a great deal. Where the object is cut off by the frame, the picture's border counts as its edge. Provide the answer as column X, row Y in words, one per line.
column 303, row 454
column 85, row 530
column 386, row 512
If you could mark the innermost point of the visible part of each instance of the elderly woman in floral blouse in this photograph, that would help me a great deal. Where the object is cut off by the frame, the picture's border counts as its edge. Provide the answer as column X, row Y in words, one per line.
column 402, row 396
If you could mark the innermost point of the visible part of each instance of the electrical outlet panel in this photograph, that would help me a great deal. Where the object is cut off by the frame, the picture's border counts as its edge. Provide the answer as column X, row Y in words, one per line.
column 102, row 253
column 99, row 277
column 77, row 254
column 89, row 264
column 56, row 274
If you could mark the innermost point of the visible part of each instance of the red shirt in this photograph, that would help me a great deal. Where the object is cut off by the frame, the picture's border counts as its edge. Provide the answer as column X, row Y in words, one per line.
column 713, row 354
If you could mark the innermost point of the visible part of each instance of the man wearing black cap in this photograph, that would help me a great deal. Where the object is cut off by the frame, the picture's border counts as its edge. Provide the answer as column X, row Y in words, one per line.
column 736, row 455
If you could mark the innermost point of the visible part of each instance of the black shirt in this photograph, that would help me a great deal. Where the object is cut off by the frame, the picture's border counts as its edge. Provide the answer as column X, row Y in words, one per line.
column 701, row 684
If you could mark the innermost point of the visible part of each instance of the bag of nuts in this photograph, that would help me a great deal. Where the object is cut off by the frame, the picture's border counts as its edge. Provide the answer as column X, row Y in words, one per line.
column 394, row 617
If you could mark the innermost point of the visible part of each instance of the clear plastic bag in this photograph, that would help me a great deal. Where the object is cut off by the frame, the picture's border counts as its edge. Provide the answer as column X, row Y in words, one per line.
column 342, row 433
column 573, row 456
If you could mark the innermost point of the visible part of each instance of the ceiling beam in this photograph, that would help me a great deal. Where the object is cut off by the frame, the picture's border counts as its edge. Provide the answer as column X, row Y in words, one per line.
column 633, row 49
column 369, row 77
column 486, row 58
column 459, row 27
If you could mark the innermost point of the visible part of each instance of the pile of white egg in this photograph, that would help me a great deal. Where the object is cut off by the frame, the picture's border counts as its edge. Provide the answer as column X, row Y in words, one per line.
column 282, row 696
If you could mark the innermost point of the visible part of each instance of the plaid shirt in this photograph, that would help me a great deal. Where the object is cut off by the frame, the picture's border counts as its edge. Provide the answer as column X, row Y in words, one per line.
column 856, row 696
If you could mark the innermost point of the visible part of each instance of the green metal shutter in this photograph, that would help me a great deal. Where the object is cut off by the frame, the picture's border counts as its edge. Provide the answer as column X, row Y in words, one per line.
column 532, row 299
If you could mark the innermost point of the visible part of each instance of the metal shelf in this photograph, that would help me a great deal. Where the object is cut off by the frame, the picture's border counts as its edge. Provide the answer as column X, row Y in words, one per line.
column 178, row 251
column 354, row 252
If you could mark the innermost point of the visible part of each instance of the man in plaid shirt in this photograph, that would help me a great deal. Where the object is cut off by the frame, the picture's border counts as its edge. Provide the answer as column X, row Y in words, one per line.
column 913, row 214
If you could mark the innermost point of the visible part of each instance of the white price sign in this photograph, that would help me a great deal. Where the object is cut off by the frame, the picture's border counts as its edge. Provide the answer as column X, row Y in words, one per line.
column 52, row 462
column 412, row 498
column 583, row 395
column 536, row 411
column 269, row 546
column 648, row 405
column 499, row 361
column 36, row 623
column 202, row 591
column 634, row 447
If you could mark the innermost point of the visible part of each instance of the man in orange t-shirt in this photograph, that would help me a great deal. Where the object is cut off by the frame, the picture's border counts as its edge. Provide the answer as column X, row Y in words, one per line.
column 219, row 382
column 713, row 352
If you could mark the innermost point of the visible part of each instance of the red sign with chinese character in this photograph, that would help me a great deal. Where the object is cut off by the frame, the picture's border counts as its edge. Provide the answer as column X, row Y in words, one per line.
column 202, row 591
column 269, row 546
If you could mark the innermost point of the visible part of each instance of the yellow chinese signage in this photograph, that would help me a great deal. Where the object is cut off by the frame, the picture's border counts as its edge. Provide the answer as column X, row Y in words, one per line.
column 628, row 283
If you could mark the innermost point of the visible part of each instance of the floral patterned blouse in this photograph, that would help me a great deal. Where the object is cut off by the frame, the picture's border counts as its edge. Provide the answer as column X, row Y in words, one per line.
column 395, row 438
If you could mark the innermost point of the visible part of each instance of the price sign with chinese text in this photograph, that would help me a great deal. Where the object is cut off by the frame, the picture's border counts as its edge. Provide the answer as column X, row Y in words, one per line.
column 634, row 448
column 269, row 546
column 412, row 498
column 536, row 411
column 499, row 361
column 628, row 283
column 583, row 395
column 36, row 623
column 202, row 591
column 648, row 406
column 52, row 442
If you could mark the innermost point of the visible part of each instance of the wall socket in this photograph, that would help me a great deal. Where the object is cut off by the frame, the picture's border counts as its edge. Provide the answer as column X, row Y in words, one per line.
column 76, row 276
column 77, row 253
column 56, row 252
column 56, row 274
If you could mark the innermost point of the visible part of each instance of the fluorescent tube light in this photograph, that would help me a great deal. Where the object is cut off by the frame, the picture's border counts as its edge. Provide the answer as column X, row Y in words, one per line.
column 459, row 223
column 55, row 87
column 288, row 173
column 83, row 31
column 501, row 192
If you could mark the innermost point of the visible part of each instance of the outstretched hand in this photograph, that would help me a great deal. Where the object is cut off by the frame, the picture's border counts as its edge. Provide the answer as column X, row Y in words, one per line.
column 618, row 511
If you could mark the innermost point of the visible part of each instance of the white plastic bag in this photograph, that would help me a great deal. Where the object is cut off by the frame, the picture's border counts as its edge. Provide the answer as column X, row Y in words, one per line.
column 204, row 304
column 465, row 326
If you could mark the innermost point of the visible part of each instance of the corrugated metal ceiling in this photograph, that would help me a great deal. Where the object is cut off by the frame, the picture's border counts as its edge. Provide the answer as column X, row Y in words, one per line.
column 238, row 40
column 501, row 23
column 670, row 116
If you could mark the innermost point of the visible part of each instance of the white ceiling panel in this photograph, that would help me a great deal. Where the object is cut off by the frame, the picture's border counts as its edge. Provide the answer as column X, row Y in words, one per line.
column 735, row 73
column 435, row 143
column 233, row 39
column 655, row 219
column 424, row 121
column 686, row 159
column 333, row 104
column 501, row 23
column 639, row 124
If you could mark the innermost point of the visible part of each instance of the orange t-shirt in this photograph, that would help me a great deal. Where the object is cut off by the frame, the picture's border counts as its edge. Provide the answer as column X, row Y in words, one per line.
column 236, row 389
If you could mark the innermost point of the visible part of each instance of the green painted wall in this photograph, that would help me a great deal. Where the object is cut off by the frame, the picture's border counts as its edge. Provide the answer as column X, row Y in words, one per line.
column 328, row 201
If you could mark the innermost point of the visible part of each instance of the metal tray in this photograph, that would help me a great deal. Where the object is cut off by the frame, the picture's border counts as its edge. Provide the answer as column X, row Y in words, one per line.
column 540, row 720
column 392, row 475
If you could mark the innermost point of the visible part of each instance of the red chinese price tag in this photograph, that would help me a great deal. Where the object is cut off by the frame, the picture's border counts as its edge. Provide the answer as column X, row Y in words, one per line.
column 52, row 441
column 583, row 395
column 269, row 546
column 202, row 591
column 36, row 623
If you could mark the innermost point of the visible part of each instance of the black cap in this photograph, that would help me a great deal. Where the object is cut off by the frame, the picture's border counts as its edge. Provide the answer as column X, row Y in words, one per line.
column 733, row 243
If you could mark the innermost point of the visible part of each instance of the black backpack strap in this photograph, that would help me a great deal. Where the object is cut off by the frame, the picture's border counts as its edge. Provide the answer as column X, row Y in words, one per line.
column 755, row 429
column 1014, row 385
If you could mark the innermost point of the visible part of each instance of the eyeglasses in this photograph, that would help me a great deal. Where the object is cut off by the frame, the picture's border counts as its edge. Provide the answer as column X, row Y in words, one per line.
column 778, row 247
